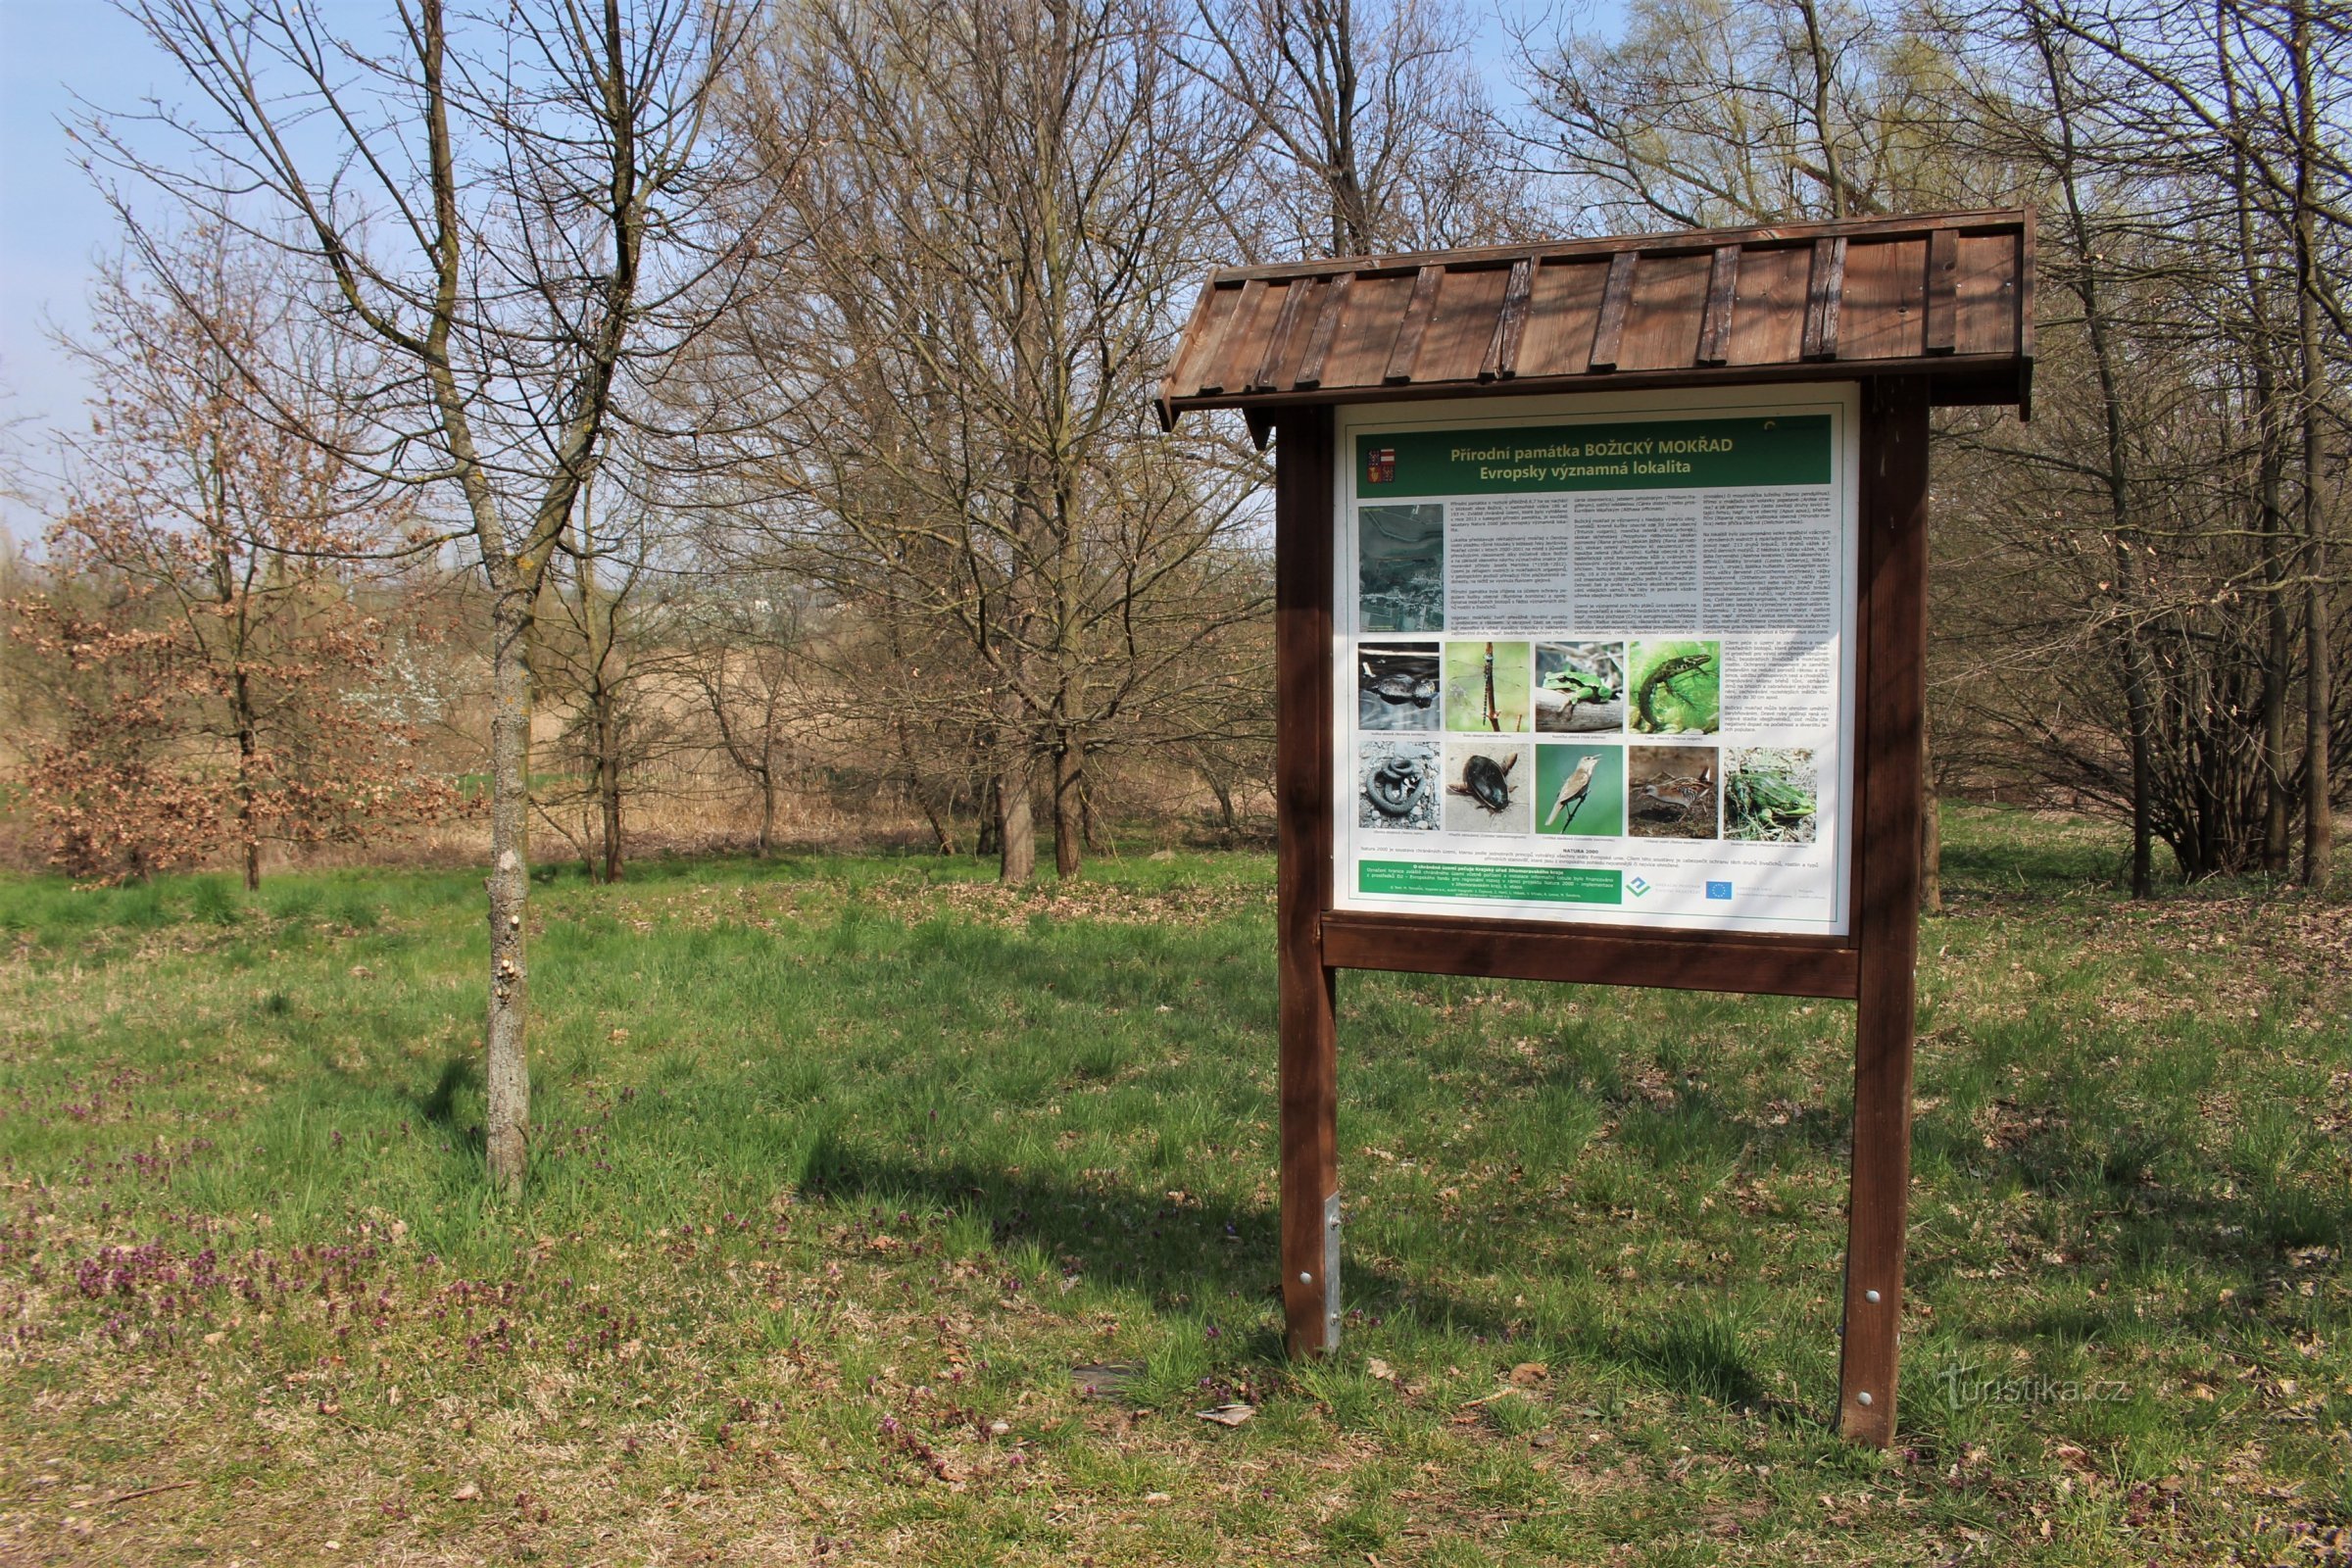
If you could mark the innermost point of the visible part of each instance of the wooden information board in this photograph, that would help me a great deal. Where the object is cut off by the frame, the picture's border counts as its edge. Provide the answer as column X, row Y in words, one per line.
column 1600, row 573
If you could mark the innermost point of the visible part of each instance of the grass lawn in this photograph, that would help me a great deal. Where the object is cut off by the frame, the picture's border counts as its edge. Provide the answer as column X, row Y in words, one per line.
column 877, row 1216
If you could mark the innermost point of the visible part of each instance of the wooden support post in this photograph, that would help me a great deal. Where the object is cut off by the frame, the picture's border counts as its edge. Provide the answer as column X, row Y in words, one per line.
column 1303, row 532
column 1890, row 705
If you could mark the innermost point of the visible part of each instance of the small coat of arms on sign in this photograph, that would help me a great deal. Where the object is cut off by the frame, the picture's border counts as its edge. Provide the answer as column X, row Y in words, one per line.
column 1381, row 468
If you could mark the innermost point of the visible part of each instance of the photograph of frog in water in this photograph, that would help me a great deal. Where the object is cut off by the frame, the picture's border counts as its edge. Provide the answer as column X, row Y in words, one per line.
column 1579, row 688
column 1771, row 794
column 1675, row 687
column 1396, row 686
column 1398, row 786
column 1490, row 787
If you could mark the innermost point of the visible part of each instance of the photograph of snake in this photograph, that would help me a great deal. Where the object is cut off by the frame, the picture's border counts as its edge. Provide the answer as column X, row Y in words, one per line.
column 1671, row 791
column 1771, row 794
column 1398, row 786
column 1396, row 686
column 1487, row 687
column 1400, row 568
column 1490, row 787
column 1580, row 790
column 1579, row 688
column 1675, row 687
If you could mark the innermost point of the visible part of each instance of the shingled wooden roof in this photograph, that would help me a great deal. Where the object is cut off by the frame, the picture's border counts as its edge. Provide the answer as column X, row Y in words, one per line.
column 1948, row 296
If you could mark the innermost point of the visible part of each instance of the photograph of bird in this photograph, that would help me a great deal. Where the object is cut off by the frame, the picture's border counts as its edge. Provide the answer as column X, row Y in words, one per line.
column 1573, row 789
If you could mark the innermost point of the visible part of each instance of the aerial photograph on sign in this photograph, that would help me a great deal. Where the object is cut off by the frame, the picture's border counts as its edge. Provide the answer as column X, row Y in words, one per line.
column 1403, row 578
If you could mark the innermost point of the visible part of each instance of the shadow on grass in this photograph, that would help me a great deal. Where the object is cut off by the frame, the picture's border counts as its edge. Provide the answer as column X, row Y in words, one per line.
column 1185, row 1256
column 438, row 1106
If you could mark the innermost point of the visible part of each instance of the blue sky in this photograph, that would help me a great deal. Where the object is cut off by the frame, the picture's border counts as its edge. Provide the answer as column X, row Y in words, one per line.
column 50, row 52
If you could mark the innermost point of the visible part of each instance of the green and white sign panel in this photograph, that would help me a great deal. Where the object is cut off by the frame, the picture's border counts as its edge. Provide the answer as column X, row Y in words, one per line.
column 1596, row 657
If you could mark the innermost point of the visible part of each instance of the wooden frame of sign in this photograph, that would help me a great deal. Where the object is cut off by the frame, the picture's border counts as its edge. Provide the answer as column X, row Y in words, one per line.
column 1913, row 313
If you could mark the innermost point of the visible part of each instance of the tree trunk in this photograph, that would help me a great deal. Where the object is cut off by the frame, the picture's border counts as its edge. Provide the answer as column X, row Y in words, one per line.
column 2319, row 827
column 768, row 796
column 1069, row 783
column 1016, row 823
column 2138, row 686
column 506, row 1071
column 248, row 745
column 1223, row 791
column 608, row 779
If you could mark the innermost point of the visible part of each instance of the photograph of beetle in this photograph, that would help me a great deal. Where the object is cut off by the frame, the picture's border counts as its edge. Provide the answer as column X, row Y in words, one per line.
column 1579, row 688
column 1771, row 794
column 1490, row 787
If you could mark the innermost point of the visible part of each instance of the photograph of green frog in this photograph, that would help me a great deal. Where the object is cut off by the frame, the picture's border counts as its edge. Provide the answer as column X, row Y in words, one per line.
column 1675, row 687
column 1771, row 794
column 1579, row 688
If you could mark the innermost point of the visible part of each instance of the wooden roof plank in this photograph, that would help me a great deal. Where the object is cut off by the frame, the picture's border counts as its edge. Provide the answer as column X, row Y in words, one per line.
column 1984, row 295
column 1461, row 324
column 1202, row 334
column 1278, row 341
column 1943, row 256
column 1768, row 312
column 1663, row 315
column 1510, row 323
column 1608, row 331
column 1366, row 341
column 1824, row 294
column 1216, row 374
column 1882, row 308
column 1405, row 353
column 1327, row 325
column 1723, row 282
column 1562, row 309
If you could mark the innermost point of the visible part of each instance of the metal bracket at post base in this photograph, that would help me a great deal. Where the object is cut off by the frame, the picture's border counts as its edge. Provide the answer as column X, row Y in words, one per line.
column 1331, row 1272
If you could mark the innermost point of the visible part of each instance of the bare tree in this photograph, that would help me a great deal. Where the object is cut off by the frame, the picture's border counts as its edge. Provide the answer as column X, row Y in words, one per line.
column 1719, row 112
column 506, row 206
column 1361, row 127
column 991, row 248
